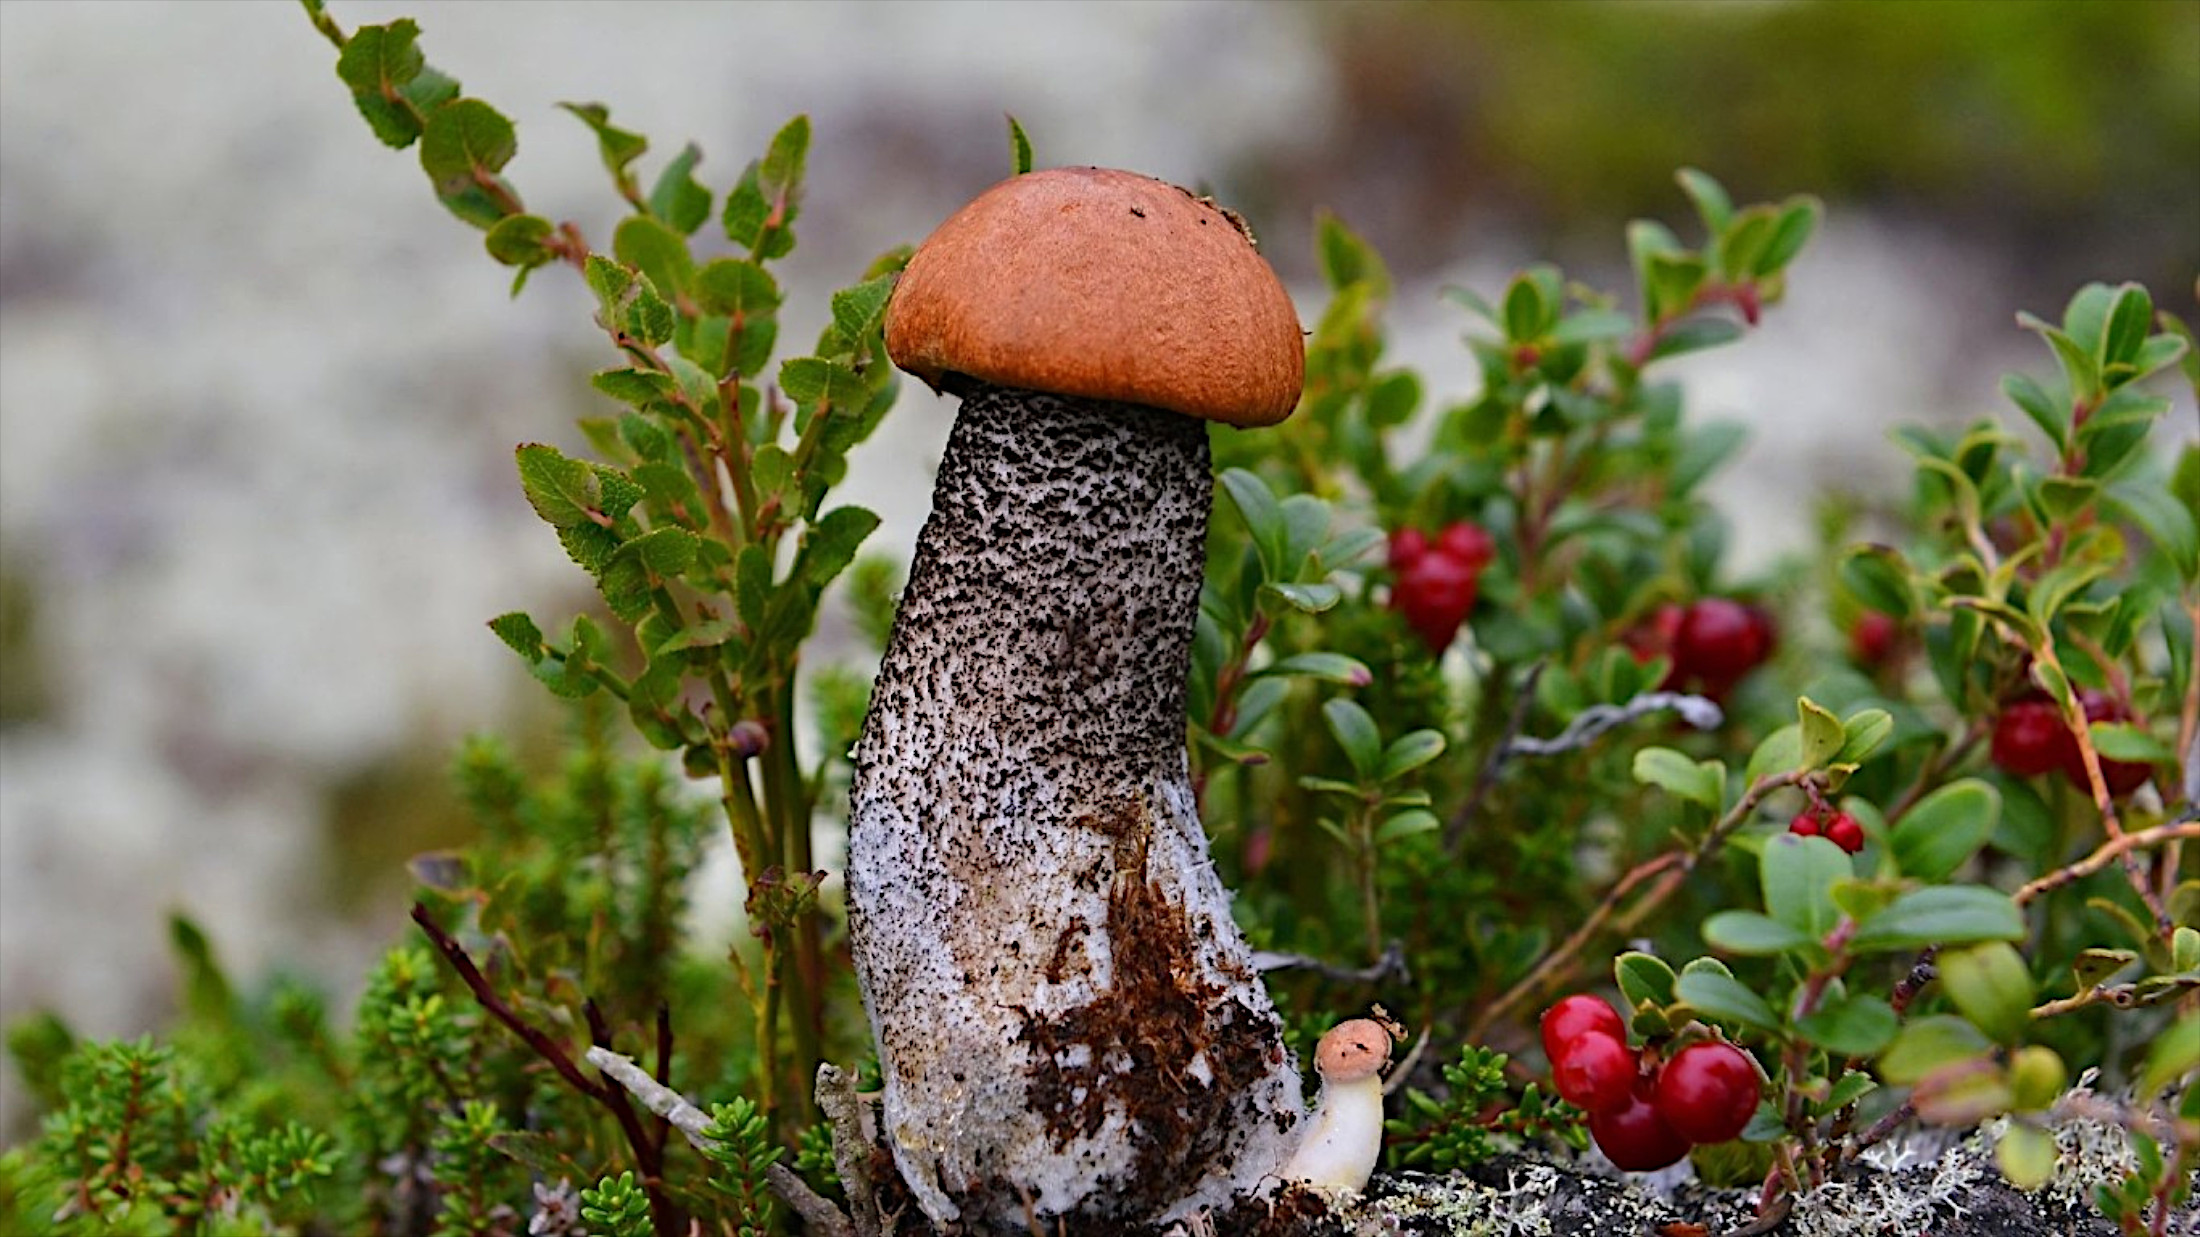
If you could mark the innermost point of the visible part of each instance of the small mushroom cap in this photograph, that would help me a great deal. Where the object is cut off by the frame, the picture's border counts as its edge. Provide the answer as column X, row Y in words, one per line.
column 1104, row 285
column 1352, row 1050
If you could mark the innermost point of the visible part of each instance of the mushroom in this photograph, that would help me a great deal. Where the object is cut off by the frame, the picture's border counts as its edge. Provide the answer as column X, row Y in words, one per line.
column 1067, row 1020
column 1337, row 1152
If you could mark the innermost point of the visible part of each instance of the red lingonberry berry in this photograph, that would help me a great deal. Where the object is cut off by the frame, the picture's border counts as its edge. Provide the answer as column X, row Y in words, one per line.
column 2030, row 738
column 1846, row 832
column 1720, row 640
column 1652, row 638
column 1872, row 640
column 1707, row 1092
column 1435, row 593
column 1469, row 543
column 1634, row 1137
column 1576, row 1016
column 1808, row 824
column 1594, row 1072
column 1406, row 545
column 2122, row 776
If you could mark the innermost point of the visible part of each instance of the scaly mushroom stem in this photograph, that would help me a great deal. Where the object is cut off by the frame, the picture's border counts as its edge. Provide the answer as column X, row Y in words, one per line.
column 1065, row 1011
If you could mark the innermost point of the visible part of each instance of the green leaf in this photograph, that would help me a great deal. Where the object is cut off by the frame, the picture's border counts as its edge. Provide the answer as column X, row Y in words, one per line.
column 609, row 281
column 1928, row 1044
column 1879, row 577
column 2079, row 368
column 1779, row 752
column 563, row 491
column 734, row 287
column 2130, row 319
column 1700, row 782
column 1019, row 148
column 1798, row 221
column 1675, row 278
column 1408, row 824
column 761, row 209
column 1990, row 986
column 1722, row 998
column 1525, row 312
column 2174, row 1056
column 1643, row 979
column 1346, row 259
column 519, row 633
column 1263, row 517
column 1822, row 734
column 1797, row 874
column 2052, row 418
column 1410, row 751
column 1945, row 829
column 1855, row 1026
column 1305, row 598
column 390, row 81
column 1939, row 915
column 1862, row 733
column 831, row 542
column 1712, row 204
column 638, row 568
column 617, row 146
column 1391, row 399
column 2167, row 521
column 466, row 142
column 1328, row 667
column 658, row 252
column 1356, row 734
column 639, row 387
column 857, row 309
column 517, row 240
column 1743, row 241
column 1694, row 335
column 2026, row 1155
column 647, row 318
column 1588, row 326
column 677, row 198
column 1753, row 935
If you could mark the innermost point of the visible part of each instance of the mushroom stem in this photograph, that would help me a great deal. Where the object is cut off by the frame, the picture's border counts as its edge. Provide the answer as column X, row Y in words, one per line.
column 1064, row 1010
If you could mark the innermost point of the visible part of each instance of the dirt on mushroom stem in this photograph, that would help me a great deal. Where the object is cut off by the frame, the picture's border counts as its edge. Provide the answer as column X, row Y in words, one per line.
column 1064, row 1009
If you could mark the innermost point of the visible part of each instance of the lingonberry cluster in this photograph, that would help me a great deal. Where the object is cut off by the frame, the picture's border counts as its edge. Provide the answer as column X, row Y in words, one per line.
column 2030, row 739
column 1834, row 825
column 1437, row 581
column 1712, row 641
column 1645, row 1118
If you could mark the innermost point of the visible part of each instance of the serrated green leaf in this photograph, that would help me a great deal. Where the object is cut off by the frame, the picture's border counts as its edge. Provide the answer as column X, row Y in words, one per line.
column 1722, row 998
column 1929, row 1044
column 1990, row 986
column 1797, row 875
column 1940, row 915
column 1699, row 782
column 465, row 143
column 517, row 240
column 617, row 146
column 677, row 198
column 639, row 387
column 1019, row 148
column 1356, row 734
column 563, row 491
column 519, row 633
column 761, row 210
column 658, row 252
column 857, row 309
column 390, row 81
column 647, row 319
column 1753, row 935
column 1945, row 829
column 1821, row 734
column 735, row 287
column 1853, row 1026
column 831, row 542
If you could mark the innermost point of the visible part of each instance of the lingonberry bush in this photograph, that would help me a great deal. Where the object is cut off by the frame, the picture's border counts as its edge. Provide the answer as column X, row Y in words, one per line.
column 1482, row 729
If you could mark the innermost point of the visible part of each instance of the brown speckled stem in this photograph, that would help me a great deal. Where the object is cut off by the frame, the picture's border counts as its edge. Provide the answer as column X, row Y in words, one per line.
column 1064, row 1009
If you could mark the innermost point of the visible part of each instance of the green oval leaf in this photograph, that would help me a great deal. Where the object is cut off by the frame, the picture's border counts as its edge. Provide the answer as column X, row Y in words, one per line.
column 1722, row 998
column 1857, row 1026
column 1752, row 935
column 1945, row 829
column 1942, row 915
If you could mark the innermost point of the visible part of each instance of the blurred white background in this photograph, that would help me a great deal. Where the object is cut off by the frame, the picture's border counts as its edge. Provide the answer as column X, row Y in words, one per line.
column 258, row 391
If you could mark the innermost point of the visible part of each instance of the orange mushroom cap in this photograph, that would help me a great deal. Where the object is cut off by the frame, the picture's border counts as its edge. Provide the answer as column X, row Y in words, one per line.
column 1106, row 285
column 1354, row 1049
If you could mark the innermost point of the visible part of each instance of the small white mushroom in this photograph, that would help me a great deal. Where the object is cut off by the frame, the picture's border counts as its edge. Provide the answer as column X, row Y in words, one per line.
column 1345, row 1135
